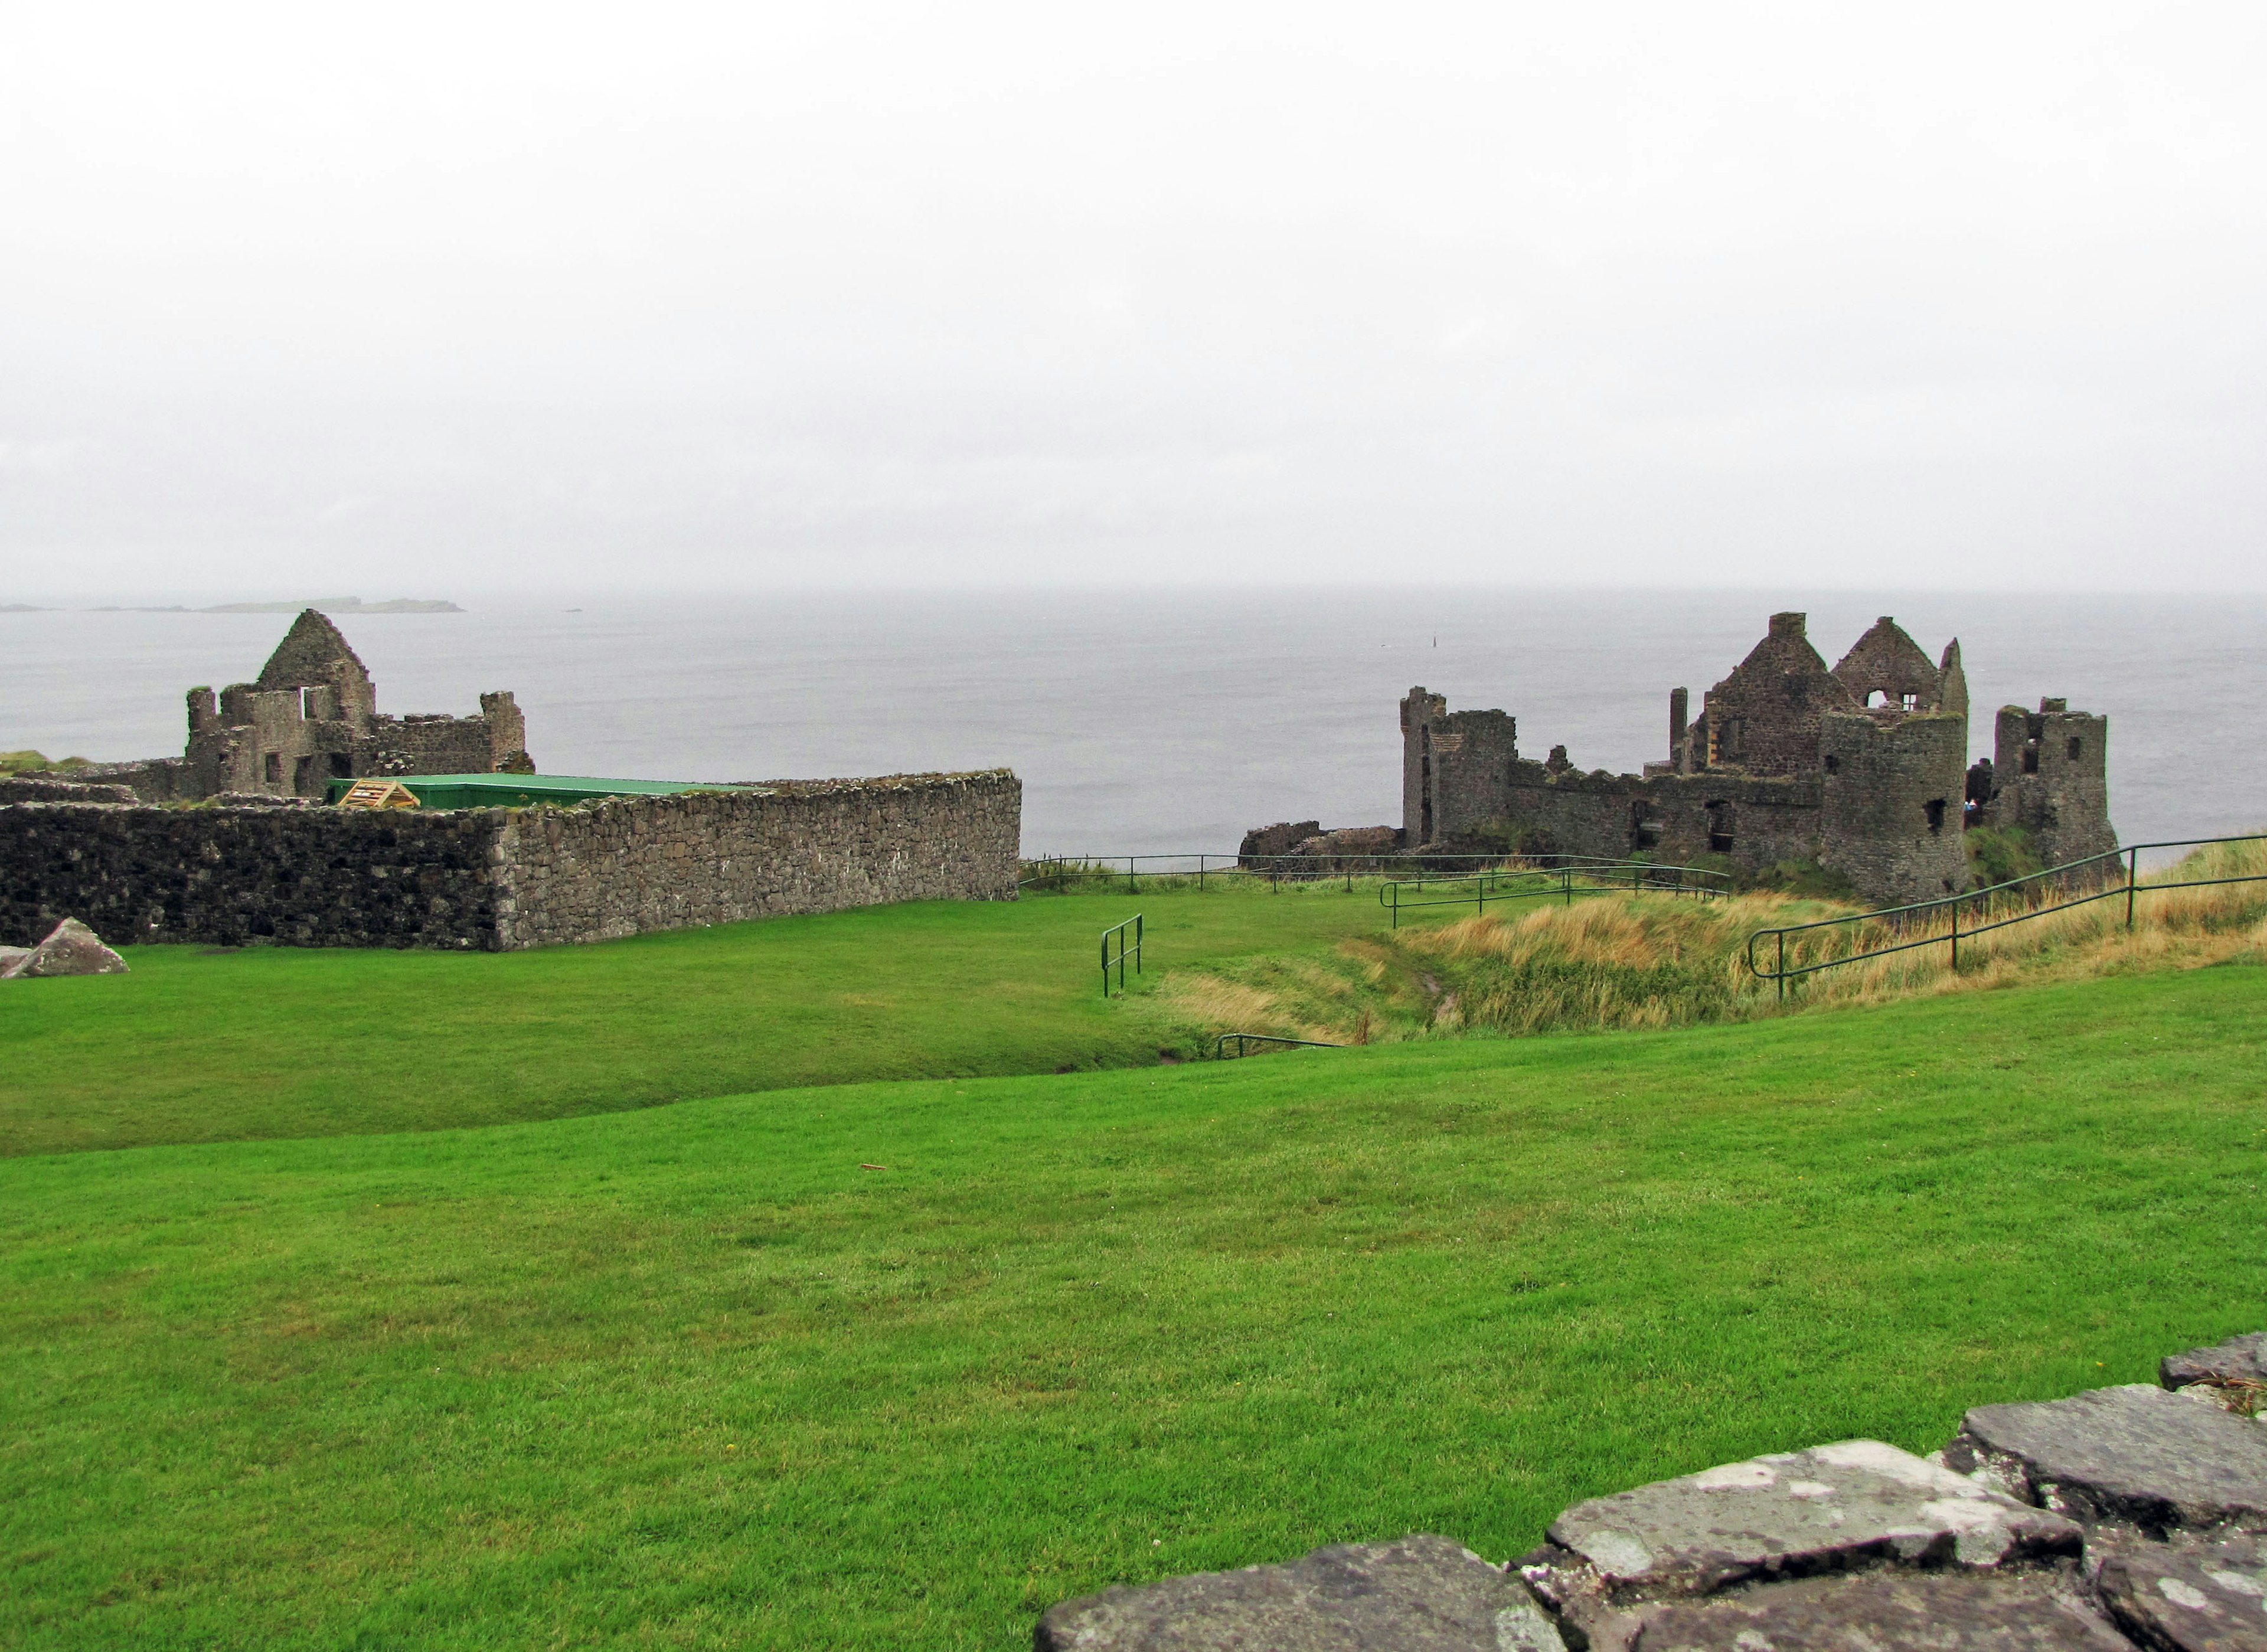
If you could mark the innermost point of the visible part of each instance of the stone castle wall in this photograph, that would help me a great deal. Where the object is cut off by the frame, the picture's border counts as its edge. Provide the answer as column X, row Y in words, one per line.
column 2049, row 765
column 498, row 880
column 627, row 865
column 1891, row 822
column 1759, row 821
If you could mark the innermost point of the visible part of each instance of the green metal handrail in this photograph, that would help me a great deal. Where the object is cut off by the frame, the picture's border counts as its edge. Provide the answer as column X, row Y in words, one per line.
column 1220, row 1045
column 2127, row 859
column 1123, row 951
column 1596, row 877
column 1062, row 869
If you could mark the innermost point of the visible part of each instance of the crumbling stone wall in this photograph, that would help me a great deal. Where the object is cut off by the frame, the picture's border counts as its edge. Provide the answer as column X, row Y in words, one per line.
column 152, row 780
column 38, row 788
column 1891, row 819
column 629, row 864
column 491, row 742
column 1454, row 768
column 1756, row 820
column 277, row 871
column 2051, row 768
column 1765, row 716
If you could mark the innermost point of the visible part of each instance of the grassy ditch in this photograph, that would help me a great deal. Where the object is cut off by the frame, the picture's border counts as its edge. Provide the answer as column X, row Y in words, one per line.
column 1658, row 961
column 896, row 1365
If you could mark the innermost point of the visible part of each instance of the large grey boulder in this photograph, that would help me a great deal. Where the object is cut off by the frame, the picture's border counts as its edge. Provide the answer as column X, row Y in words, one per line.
column 72, row 948
column 1421, row 1594
column 2238, row 1360
column 2033, row 1612
column 1833, row 1508
column 2190, row 1595
column 2136, row 1454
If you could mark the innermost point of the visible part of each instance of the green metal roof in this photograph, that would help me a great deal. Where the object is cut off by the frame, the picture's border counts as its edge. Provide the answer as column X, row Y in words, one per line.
column 516, row 791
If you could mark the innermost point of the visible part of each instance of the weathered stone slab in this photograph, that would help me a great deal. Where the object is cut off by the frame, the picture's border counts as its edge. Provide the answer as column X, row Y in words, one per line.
column 1940, row 1612
column 1831, row 1508
column 71, row 949
column 2238, row 1360
column 2190, row 1595
column 2134, row 1453
column 1422, row 1594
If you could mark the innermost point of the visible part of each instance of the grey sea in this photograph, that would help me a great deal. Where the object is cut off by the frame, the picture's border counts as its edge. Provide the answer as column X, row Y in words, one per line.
column 1166, row 722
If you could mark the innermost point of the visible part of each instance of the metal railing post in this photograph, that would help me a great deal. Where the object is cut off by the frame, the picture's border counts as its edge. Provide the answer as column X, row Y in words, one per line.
column 1782, row 967
column 2132, row 875
column 1955, row 938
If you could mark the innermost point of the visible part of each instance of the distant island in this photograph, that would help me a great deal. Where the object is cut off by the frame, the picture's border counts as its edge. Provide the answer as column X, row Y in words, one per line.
column 338, row 604
column 323, row 605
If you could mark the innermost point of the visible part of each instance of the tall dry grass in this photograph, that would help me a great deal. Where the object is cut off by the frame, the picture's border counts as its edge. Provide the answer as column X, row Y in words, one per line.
column 1658, row 961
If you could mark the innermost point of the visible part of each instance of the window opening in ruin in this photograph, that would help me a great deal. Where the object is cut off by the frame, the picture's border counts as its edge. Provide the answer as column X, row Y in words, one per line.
column 1645, row 832
column 1877, row 699
column 302, row 775
column 2075, row 747
column 1719, row 827
column 2031, row 759
column 1934, row 809
column 274, row 768
column 1833, row 764
column 341, row 766
column 1911, row 702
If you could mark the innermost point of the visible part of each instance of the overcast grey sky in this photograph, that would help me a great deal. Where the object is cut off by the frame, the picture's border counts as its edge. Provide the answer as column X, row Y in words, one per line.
column 426, row 300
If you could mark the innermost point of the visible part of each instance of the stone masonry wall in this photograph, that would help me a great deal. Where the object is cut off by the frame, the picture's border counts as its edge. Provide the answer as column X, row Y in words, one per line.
column 497, row 879
column 628, row 865
column 1669, row 817
column 1893, row 798
column 231, row 876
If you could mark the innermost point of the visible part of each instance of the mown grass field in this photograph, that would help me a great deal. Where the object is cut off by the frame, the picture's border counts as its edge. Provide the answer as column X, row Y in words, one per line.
column 200, row 1045
column 691, row 1377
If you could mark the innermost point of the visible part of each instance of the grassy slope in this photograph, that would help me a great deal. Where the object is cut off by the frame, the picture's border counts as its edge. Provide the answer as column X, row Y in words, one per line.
column 198, row 1046
column 691, row 1378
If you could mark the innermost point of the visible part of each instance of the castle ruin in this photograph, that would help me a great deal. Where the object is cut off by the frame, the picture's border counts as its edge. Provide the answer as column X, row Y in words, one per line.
column 1861, row 768
column 312, row 717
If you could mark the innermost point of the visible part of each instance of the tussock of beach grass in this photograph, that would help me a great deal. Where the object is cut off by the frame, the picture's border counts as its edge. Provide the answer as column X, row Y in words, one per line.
column 1656, row 961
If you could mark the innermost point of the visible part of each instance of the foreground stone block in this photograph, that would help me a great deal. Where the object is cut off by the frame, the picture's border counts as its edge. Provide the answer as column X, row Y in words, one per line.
column 2190, row 1594
column 1422, row 1594
column 2034, row 1612
column 2238, row 1360
column 72, row 949
column 2136, row 1454
column 1833, row 1508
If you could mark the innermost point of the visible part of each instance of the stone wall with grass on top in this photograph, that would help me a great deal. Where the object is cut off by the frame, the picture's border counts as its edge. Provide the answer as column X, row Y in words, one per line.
column 233, row 874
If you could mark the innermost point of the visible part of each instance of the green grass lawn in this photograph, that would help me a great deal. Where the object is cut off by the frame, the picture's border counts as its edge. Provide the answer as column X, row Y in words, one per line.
column 691, row 1377
column 200, row 1045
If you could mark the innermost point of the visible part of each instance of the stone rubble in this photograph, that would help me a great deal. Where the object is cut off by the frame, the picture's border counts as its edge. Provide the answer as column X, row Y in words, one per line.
column 2119, row 1518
